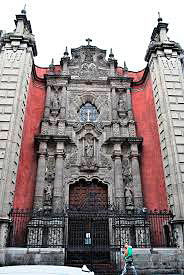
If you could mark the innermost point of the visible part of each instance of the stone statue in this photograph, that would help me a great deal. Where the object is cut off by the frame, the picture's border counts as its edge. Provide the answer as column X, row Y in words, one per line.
column 48, row 194
column 128, row 196
column 89, row 147
column 55, row 102
column 122, row 107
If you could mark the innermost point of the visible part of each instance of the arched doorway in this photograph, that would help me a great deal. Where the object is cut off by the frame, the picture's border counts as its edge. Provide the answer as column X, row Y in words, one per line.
column 88, row 225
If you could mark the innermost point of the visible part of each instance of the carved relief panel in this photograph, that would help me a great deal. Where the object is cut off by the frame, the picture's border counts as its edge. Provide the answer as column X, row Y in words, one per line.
column 88, row 63
column 127, row 179
column 53, row 111
column 49, row 180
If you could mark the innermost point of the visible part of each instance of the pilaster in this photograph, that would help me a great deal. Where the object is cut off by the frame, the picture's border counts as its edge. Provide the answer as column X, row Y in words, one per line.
column 118, row 178
column 138, row 199
column 47, row 103
column 40, row 179
column 58, row 193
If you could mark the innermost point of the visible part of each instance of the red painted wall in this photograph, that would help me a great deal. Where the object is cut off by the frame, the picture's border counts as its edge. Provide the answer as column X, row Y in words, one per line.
column 152, row 173
column 25, row 182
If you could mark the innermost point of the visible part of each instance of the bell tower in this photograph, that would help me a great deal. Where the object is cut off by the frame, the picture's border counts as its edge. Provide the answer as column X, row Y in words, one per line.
column 163, row 57
column 16, row 58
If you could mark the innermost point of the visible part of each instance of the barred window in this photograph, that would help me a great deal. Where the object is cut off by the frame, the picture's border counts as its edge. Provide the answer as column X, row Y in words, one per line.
column 88, row 113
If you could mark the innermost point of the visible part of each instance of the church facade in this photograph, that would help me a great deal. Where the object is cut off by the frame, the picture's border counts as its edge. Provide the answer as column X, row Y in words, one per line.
column 88, row 135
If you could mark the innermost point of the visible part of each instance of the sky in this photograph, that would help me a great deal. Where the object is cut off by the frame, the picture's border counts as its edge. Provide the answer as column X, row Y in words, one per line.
column 123, row 25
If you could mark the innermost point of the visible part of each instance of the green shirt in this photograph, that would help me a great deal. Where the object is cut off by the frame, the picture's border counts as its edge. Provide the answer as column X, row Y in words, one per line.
column 129, row 257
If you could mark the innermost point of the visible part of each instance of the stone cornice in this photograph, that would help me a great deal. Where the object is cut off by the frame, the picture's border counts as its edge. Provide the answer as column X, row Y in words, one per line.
column 154, row 46
column 55, row 138
column 120, row 78
column 24, row 39
column 55, row 78
column 124, row 140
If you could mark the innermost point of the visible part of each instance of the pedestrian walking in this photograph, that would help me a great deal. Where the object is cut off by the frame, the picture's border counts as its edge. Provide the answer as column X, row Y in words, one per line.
column 128, row 256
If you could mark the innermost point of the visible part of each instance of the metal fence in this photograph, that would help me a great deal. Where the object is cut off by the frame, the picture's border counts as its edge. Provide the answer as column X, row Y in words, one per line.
column 98, row 230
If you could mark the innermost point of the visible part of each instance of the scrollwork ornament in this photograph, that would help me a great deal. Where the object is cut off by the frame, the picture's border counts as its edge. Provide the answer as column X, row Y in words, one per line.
column 71, row 159
column 105, row 162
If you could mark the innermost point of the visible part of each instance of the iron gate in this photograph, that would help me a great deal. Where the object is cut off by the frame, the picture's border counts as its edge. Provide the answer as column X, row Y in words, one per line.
column 98, row 229
column 88, row 237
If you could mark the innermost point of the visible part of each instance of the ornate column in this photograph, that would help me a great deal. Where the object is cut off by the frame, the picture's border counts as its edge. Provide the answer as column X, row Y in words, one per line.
column 58, row 193
column 45, row 123
column 138, row 200
column 118, row 178
column 115, row 123
column 62, row 116
column 47, row 103
column 114, row 104
column 40, row 179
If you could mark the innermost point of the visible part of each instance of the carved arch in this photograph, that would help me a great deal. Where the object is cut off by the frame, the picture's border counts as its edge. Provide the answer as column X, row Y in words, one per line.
column 88, row 179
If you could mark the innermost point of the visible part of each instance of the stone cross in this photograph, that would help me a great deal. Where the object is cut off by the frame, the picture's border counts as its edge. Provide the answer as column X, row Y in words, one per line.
column 88, row 40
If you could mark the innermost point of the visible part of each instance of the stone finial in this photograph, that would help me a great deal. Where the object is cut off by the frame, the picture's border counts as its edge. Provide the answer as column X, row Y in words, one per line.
column 159, row 18
column 66, row 52
column 23, row 11
column 111, row 55
column 125, row 66
column 51, row 64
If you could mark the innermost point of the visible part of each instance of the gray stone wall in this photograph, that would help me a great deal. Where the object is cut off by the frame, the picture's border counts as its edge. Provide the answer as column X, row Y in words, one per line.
column 146, row 261
column 16, row 57
column 32, row 256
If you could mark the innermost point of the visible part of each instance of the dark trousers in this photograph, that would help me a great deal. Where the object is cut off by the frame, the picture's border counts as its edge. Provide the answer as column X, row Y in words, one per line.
column 129, row 266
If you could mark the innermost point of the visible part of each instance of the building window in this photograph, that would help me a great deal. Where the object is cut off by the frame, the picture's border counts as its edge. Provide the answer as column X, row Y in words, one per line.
column 88, row 113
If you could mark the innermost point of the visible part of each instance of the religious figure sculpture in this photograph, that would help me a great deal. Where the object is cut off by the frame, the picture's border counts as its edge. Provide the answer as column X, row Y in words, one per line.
column 55, row 101
column 48, row 194
column 128, row 197
column 122, row 108
column 89, row 147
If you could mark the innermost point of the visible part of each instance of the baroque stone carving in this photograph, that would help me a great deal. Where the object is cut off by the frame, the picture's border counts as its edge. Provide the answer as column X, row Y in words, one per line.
column 50, row 175
column 105, row 162
column 48, row 195
column 169, row 63
column 126, row 171
column 131, row 128
column 122, row 107
column 128, row 197
column 71, row 158
column 50, row 170
column 61, row 128
column 88, row 161
column 116, row 131
column 89, row 147
column 88, row 63
column 88, row 165
column 14, row 56
column 55, row 105
column 45, row 127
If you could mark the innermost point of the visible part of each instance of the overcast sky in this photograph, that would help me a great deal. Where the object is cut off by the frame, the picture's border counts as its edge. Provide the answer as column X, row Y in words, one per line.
column 123, row 25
